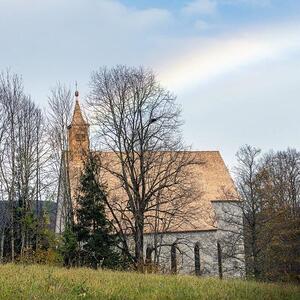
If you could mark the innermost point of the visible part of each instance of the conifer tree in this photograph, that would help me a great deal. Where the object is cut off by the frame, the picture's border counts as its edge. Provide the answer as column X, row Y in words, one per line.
column 93, row 229
column 69, row 246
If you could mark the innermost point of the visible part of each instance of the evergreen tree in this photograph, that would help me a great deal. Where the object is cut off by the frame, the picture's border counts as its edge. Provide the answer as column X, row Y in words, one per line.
column 93, row 229
column 69, row 246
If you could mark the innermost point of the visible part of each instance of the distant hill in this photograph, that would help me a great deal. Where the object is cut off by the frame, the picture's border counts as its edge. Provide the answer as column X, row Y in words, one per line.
column 49, row 206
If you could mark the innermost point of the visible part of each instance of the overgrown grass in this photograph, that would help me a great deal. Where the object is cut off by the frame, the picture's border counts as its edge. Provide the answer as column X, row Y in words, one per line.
column 44, row 282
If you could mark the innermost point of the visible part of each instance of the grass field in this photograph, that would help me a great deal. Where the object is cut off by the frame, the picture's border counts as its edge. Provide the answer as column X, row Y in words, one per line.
column 44, row 282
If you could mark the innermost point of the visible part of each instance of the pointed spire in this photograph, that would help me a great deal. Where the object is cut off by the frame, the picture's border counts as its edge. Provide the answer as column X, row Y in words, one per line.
column 76, row 91
column 77, row 115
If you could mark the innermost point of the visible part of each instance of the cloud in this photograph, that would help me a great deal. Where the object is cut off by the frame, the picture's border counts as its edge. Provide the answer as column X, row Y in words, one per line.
column 209, row 58
column 109, row 11
column 210, row 7
column 247, row 2
column 34, row 25
column 201, row 25
column 65, row 40
column 200, row 7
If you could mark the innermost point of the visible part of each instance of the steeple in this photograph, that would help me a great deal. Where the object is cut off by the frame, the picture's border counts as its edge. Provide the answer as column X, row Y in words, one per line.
column 78, row 132
column 77, row 114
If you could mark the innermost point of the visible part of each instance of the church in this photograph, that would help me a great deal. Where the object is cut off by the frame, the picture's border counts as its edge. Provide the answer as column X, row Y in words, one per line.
column 210, row 243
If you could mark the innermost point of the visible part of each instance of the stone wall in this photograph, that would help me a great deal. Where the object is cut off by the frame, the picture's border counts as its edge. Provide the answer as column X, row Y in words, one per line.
column 228, row 234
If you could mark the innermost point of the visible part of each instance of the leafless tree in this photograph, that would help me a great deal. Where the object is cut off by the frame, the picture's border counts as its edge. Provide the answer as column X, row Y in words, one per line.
column 281, row 194
column 139, row 121
column 283, row 170
column 32, row 160
column 3, row 208
column 269, row 186
column 249, row 186
column 22, row 159
column 4, row 216
column 11, row 95
column 60, row 104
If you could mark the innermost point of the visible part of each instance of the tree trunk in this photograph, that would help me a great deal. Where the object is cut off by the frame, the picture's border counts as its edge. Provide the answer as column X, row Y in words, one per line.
column 139, row 242
column 12, row 243
column 22, row 242
column 2, row 246
column 256, row 271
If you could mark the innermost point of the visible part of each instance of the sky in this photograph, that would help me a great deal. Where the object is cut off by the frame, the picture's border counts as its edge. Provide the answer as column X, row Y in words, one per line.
column 233, row 64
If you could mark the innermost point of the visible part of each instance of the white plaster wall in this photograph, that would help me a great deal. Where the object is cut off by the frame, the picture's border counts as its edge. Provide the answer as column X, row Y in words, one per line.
column 229, row 234
column 229, row 220
column 186, row 242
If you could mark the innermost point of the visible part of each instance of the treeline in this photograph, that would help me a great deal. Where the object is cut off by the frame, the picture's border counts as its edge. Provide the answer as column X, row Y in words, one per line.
column 31, row 144
column 269, row 186
column 22, row 164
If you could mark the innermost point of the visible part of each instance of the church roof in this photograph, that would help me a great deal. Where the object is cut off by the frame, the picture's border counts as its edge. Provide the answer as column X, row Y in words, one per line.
column 210, row 177
column 78, row 118
column 213, row 182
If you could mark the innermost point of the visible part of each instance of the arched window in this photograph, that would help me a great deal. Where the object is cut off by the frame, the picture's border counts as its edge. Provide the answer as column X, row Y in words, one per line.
column 220, row 260
column 149, row 254
column 197, row 259
column 173, row 259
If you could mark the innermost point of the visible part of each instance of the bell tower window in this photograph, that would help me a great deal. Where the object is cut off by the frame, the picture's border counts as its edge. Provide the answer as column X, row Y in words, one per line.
column 80, row 137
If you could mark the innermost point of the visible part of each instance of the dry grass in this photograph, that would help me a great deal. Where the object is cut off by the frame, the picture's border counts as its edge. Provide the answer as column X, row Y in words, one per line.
column 44, row 282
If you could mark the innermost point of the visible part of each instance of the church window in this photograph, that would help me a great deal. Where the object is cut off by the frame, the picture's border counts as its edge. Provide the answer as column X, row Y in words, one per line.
column 173, row 259
column 80, row 137
column 197, row 259
column 220, row 260
column 149, row 254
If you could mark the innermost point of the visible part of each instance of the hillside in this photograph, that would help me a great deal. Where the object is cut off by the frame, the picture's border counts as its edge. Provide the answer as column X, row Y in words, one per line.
column 43, row 282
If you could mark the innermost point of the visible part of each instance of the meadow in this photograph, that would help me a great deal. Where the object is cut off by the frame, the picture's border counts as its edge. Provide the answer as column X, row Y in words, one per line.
column 47, row 282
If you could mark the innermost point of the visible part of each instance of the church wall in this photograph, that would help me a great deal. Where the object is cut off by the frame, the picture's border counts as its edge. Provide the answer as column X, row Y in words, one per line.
column 185, row 243
column 228, row 234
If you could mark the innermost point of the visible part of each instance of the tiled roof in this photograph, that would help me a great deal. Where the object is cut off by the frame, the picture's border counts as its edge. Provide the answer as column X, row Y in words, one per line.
column 211, row 178
column 78, row 118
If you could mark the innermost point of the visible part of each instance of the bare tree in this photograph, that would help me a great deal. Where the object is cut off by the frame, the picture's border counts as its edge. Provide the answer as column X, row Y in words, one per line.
column 281, row 194
column 22, row 159
column 60, row 104
column 31, row 161
column 3, row 206
column 269, row 186
column 4, row 217
column 249, row 185
column 140, row 123
column 11, row 95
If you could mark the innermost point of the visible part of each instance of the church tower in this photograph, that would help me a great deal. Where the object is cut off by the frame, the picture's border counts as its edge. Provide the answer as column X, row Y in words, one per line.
column 79, row 146
column 78, row 132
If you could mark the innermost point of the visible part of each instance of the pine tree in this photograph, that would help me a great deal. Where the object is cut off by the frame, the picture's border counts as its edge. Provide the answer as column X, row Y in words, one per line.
column 69, row 246
column 93, row 229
